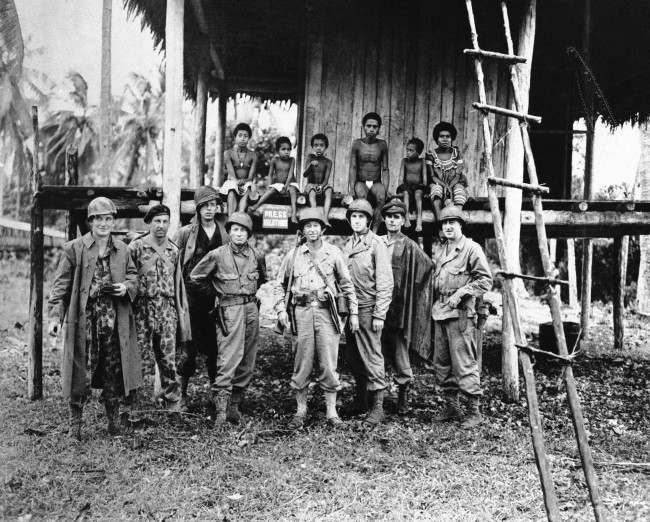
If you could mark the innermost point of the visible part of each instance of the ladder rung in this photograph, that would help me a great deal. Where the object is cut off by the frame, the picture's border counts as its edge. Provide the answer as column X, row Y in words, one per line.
column 511, row 58
column 537, row 189
column 507, row 112
column 548, row 280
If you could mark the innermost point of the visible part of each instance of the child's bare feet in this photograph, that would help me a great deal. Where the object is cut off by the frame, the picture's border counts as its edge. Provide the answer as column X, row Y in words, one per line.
column 407, row 223
column 418, row 226
column 294, row 219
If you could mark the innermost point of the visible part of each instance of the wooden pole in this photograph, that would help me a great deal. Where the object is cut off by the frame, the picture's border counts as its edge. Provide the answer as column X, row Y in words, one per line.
column 71, row 178
column 571, row 269
column 222, row 105
column 35, row 371
column 590, row 120
column 173, row 110
column 534, row 417
column 621, row 245
column 105, row 94
column 197, row 162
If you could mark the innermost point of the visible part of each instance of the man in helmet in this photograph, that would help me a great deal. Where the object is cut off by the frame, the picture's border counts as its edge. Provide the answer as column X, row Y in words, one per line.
column 94, row 286
column 461, row 275
column 370, row 268
column 235, row 271
column 408, row 326
column 161, row 307
column 194, row 241
column 318, row 268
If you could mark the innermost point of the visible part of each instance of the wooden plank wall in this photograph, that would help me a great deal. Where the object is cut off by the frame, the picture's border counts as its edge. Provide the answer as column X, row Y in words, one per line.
column 406, row 64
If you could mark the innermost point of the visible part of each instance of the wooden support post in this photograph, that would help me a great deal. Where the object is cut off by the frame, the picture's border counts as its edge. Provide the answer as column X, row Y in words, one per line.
column 534, row 417
column 511, row 58
column 173, row 110
column 197, row 162
column 35, row 371
column 507, row 112
column 222, row 104
column 71, row 178
column 621, row 245
column 571, row 269
column 105, row 101
column 536, row 189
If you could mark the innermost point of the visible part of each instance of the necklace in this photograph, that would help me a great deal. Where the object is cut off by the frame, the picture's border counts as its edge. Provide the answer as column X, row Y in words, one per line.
column 241, row 161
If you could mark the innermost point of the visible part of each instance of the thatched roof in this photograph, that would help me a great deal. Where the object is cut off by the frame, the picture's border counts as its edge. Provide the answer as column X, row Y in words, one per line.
column 260, row 46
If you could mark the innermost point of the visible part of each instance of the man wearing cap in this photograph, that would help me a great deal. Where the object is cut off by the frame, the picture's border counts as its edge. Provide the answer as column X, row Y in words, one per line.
column 408, row 327
column 91, row 296
column 194, row 241
column 318, row 268
column 235, row 271
column 370, row 267
column 161, row 307
column 461, row 276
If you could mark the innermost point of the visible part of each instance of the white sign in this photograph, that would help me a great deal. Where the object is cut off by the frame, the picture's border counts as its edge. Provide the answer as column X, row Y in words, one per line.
column 275, row 218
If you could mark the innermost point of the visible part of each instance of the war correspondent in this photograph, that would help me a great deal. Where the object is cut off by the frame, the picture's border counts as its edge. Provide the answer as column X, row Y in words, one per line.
column 318, row 270
column 461, row 276
column 91, row 296
column 369, row 176
column 369, row 265
column 161, row 309
column 235, row 271
column 194, row 241
column 408, row 327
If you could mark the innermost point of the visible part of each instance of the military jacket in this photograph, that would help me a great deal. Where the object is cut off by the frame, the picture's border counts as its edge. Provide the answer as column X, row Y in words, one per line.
column 463, row 268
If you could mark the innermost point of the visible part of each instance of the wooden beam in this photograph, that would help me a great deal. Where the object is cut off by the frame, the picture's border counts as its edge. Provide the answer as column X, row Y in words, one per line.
column 507, row 112
column 173, row 143
column 105, row 101
column 222, row 106
column 199, row 14
column 511, row 58
column 197, row 159
column 35, row 343
column 71, row 179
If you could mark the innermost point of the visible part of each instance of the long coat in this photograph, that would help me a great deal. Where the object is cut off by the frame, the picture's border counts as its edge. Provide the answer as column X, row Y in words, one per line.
column 67, row 306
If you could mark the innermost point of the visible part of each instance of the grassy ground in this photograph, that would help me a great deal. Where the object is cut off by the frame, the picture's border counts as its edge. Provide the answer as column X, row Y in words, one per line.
column 408, row 469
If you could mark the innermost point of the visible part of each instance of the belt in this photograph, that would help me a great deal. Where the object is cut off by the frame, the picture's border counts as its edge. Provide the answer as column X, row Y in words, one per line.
column 232, row 300
column 307, row 298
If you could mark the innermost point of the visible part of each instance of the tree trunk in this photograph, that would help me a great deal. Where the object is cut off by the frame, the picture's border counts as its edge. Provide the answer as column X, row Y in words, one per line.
column 514, row 171
column 197, row 162
column 217, row 174
column 173, row 111
column 643, row 192
column 105, row 94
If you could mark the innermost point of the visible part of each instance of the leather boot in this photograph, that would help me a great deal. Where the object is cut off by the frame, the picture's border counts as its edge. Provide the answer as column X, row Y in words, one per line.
column 376, row 415
column 76, row 421
column 113, row 422
column 403, row 399
column 360, row 404
column 234, row 415
column 332, row 416
column 182, row 403
column 221, row 405
column 473, row 417
column 298, row 420
column 452, row 409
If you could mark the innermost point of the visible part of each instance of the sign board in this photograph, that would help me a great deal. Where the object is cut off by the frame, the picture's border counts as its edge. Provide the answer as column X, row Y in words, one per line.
column 275, row 217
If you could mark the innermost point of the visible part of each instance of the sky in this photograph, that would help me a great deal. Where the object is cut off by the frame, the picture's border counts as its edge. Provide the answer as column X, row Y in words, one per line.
column 69, row 32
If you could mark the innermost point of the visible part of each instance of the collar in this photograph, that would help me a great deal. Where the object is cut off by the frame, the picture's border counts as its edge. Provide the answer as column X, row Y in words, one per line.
column 148, row 239
column 395, row 238
column 459, row 244
column 324, row 248
column 242, row 250
column 361, row 237
column 89, row 241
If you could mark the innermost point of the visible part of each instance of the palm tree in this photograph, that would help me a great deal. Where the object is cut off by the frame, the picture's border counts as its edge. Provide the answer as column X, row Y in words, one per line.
column 14, row 113
column 139, row 132
column 73, row 125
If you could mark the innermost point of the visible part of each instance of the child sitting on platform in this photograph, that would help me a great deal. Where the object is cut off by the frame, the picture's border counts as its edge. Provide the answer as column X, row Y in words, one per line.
column 281, row 177
column 449, row 186
column 240, row 163
column 414, row 172
column 318, row 174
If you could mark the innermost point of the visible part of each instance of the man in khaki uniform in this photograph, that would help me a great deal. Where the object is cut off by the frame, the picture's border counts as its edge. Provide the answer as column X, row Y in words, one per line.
column 236, row 271
column 318, row 268
column 461, row 275
column 372, row 275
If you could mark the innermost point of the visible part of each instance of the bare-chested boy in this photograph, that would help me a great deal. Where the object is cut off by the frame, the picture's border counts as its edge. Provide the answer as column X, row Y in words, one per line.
column 241, row 164
column 414, row 172
column 318, row 174
column 449, row 183
column 281, row 177
column 369, row 177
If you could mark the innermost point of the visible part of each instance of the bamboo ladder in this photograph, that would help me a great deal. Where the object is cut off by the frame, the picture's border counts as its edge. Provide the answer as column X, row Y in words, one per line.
column 510, row 297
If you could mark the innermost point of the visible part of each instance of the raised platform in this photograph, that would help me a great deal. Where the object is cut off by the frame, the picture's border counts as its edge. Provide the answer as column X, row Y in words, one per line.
column 564, row 218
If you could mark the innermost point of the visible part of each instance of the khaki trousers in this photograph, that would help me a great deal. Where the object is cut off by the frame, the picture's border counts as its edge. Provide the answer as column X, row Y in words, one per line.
column 454, row 357
column 364, row 353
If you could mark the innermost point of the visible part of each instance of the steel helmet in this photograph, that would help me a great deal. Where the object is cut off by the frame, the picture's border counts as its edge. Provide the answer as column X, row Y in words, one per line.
column 311, row 214
column 101, row 205
column 360, row 205
column 453, row 212
column 394, row 206
column 240, row 218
